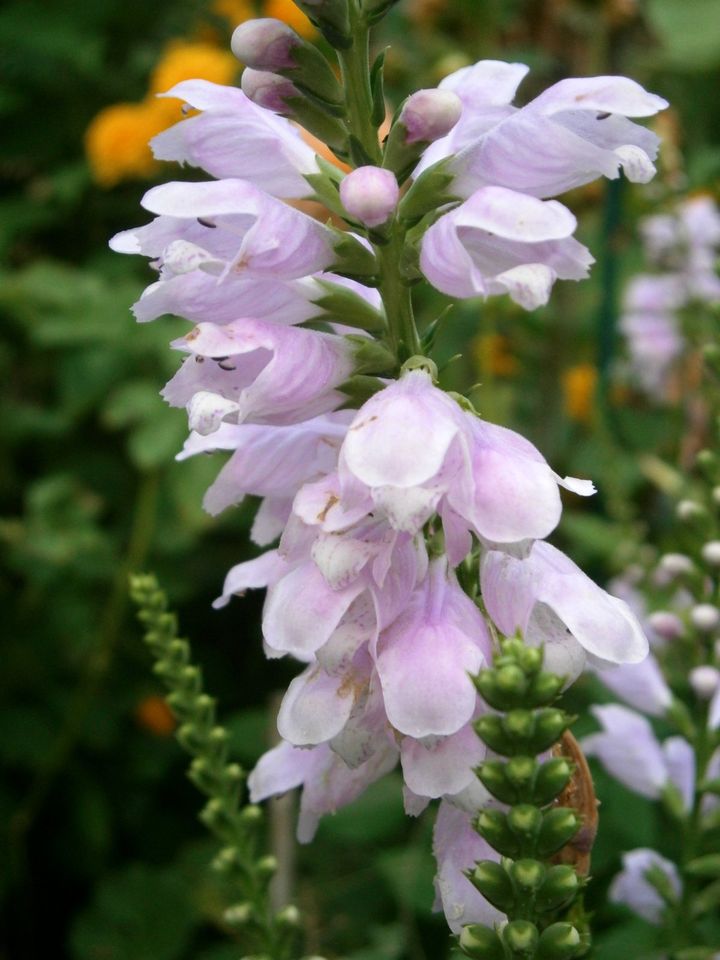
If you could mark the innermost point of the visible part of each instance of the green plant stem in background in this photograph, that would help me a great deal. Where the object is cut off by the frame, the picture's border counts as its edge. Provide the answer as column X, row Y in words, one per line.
column 236, row 825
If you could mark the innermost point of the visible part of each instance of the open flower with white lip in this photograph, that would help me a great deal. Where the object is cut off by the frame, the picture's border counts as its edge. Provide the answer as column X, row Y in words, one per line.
column 233, row 137
column 574, row 132
column 227, row 228
column 411, row 451
column 552, row 602
column 502, row 241
column 253, row 369
column 268, row 460
column 327, row 782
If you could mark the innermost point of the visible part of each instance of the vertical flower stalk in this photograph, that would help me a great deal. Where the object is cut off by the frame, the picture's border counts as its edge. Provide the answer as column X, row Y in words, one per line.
column 538, row 838
column 236, row 826
column 401, row 530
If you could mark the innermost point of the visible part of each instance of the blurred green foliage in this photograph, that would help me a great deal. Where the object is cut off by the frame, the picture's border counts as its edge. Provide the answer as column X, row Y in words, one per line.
column 103, row 857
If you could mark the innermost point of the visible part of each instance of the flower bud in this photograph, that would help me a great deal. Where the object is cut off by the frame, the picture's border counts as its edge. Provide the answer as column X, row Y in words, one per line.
column 271, row 45
column 675, row 564
column 424, row 117
column 268, row 90
column 289, row 916
column 689, row 510
column 711, row 553
column 492, row 881
column 492, row 825
column 265, row 44
column 331, row 18
column 550, row 724
column 560, row 887
column 559, row 941
column 238, row 915
column 521, row 938
column 705, row 617
column 704, row 681
column 491, row 774
column 267, row 866
column 559, row 826
column 524, row 820
column 481, row 943
column 552, row 778
column 370, row 195
column 520, row 771
column 428, row 115
column 528, row 875
column 668, row 626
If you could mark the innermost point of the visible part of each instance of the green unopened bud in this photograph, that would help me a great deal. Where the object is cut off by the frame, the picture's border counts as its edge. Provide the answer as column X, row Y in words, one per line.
column 491, row 774
column 521, row 772
column 705, row 866
column 519, row 725
column 531, row 659
column 550, row 724
column 429, row 192
column 251, row 815
column 266, row 867
column 289, row 916
column 481, row 943
column 491, row 731
column 492, row 881
column 375, row 10
column 492, row 826
column 544, row 688
column 528, row 875
column 202, row 775
column 503, row 688
column 521, row 937
column 525, row 821
column 190, row 680
column 552, row 778
column 559, row 889
column 191, row 738
column 559, row 826
column 238, row 915
column 560, row 941
column 225, row 860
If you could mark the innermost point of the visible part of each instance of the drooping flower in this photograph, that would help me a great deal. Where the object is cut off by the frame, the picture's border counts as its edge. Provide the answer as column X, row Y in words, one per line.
column 501, row 241
column 552, row 602
column 642, row 685
column 232, row 137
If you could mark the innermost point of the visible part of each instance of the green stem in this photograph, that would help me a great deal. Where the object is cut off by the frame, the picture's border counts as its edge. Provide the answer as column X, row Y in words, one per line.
column 397, row 297
column 355, row 68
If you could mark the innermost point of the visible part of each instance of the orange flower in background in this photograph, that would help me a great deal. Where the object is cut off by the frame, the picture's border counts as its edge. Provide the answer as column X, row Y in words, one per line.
column 155, row 716
column 578, row 386
column 185, row 60
column 116, row 142
column 491, row 353
column 292, row 15
column 234, row 11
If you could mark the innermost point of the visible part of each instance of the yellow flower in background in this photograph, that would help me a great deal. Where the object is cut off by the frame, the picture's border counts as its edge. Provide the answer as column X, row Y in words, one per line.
column 234, row 11
column 491, row 354
column 292, row 15
column 186, row 60
column 116, row 142
column 578, row 386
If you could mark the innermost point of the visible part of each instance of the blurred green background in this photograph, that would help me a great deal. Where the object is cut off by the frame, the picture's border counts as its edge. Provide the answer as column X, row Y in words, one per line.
column 102, row 856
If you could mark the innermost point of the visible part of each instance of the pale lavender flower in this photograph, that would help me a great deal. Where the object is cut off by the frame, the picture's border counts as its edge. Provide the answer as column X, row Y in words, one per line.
column 233, row 137
column 632, row 889
column 428, row 115
column 457, row 848
column 574, row 132
column 642, row 685
column 411, row 451
column 650, row 326
column 552, row 602
column 327, row 782
column 226, row 228
column 269, row 460
column 255, row 370
column 501, row 241
column 629, row 750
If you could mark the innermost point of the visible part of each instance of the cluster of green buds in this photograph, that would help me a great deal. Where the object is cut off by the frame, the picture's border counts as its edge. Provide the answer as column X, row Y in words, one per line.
column 542, row 842
column 273, row 934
